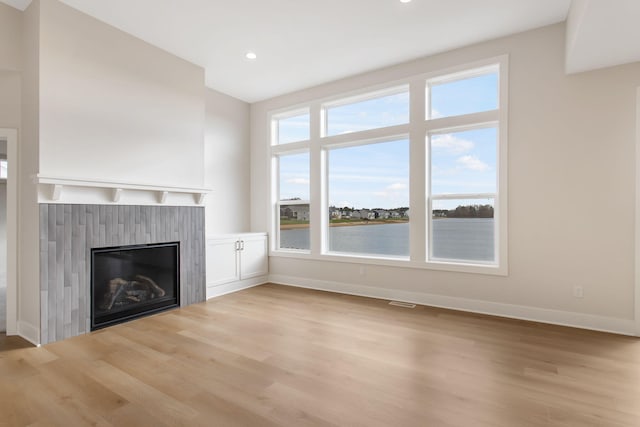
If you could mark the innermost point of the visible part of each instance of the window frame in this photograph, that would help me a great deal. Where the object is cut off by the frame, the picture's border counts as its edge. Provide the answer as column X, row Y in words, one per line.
column 287, row 114
column 417, row 130
column 3, row 160
column 290, row 149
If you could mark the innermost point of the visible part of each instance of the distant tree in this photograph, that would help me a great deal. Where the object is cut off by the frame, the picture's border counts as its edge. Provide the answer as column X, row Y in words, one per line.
column 485, row 211
column 471, row 211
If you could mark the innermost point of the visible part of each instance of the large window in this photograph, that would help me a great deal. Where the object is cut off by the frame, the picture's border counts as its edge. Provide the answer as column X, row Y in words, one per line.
column 348, row 171
column 3, row 169
column 369, row 199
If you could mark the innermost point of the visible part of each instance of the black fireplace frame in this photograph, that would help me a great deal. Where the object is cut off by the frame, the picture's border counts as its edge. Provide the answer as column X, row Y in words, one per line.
column 149, row 309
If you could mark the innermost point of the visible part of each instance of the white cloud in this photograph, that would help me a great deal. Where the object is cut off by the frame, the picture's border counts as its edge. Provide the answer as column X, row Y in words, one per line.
column 451, row 144
column 381, row 178
column 397, row 186
column 298, row 181
column 395, row 190
column 473, row 163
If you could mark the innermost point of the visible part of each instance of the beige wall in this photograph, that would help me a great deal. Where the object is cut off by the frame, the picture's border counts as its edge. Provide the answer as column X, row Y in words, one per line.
column 227, row 166
column 11, row 48
column 10, row 65
column 28, row 250
column 10, row 99
column 113, row 107
column 10, row 35
column 571, row 192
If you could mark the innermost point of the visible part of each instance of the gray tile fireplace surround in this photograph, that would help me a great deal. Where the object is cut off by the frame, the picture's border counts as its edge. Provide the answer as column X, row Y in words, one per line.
column 67, row 234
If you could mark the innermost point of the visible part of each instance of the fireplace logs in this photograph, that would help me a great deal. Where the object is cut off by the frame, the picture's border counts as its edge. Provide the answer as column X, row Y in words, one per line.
column 123, row 292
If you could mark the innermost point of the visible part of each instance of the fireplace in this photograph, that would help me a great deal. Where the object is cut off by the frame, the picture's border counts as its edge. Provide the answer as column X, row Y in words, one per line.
column 128, row 282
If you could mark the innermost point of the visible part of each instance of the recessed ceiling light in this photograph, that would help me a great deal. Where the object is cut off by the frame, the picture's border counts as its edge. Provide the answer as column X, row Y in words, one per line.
column 250, row 55
column 405, row 1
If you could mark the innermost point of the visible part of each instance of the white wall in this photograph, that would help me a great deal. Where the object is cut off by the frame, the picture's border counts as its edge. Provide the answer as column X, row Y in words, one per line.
column 113, row 107
column 227, row 164
column 571, row 192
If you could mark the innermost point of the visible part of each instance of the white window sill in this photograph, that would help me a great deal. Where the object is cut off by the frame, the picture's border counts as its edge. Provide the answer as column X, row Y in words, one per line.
column 403, row 262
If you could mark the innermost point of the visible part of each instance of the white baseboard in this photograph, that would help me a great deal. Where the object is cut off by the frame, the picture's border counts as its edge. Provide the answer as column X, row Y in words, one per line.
column 29, row 332
column 227, row 288
column 535, row 314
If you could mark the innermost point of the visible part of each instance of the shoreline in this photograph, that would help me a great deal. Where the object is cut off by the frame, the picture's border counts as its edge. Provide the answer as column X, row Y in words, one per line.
column 342, row 224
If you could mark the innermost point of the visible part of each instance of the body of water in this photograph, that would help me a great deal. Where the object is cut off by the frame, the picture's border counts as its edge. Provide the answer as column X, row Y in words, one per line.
column 453, row 238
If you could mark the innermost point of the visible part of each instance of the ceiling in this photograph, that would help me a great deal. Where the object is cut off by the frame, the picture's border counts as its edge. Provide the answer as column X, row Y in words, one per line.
column 602, row 33
column 302, row 43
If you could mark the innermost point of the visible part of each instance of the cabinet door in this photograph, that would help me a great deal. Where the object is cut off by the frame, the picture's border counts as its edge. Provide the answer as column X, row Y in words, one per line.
column 222, row 261
column 253, row 257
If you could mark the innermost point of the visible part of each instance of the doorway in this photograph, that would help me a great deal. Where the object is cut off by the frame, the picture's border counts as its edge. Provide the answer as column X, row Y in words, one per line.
column 3, row 235
column 8, row 230
column 637, row 245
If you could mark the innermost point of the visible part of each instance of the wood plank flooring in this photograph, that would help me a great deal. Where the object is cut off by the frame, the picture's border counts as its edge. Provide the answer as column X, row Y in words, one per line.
column 281, row 356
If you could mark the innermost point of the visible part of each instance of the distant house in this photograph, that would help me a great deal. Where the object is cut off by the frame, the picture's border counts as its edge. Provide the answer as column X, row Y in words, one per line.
column 367, row 214
column 295, row 212
column 382, row 214
column 285, row 212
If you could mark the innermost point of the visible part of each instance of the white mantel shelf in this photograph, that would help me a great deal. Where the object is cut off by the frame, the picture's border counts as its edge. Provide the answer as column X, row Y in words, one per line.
column 117, row 188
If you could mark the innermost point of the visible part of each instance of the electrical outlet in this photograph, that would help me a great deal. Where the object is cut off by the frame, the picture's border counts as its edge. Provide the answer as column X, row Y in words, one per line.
column 363, row 271
column 578, row 291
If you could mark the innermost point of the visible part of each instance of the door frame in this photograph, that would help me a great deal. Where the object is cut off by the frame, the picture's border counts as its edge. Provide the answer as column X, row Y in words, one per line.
column 637, row 218
column 11, row 136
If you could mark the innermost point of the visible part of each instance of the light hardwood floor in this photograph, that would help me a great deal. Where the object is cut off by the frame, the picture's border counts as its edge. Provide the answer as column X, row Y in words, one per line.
column 275, row 355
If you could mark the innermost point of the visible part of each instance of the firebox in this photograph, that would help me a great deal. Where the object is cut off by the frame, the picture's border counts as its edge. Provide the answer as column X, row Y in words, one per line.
column 128, row 282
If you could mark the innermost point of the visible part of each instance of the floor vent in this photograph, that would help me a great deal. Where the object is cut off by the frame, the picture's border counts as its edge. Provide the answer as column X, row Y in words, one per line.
column 402, row 304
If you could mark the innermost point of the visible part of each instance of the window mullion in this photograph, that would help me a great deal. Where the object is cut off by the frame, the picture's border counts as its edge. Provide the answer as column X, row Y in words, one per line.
column 292, row 148
column 418, row 171
column 455, row 196
column 317, row 184
column 464, row 122
column 365, row 136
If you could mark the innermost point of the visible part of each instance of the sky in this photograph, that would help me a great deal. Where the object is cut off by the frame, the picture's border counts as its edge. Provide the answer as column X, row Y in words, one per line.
column 377, row 175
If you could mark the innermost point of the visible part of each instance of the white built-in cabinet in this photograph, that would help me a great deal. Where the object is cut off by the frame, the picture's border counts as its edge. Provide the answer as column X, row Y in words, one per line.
column 236, row 258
